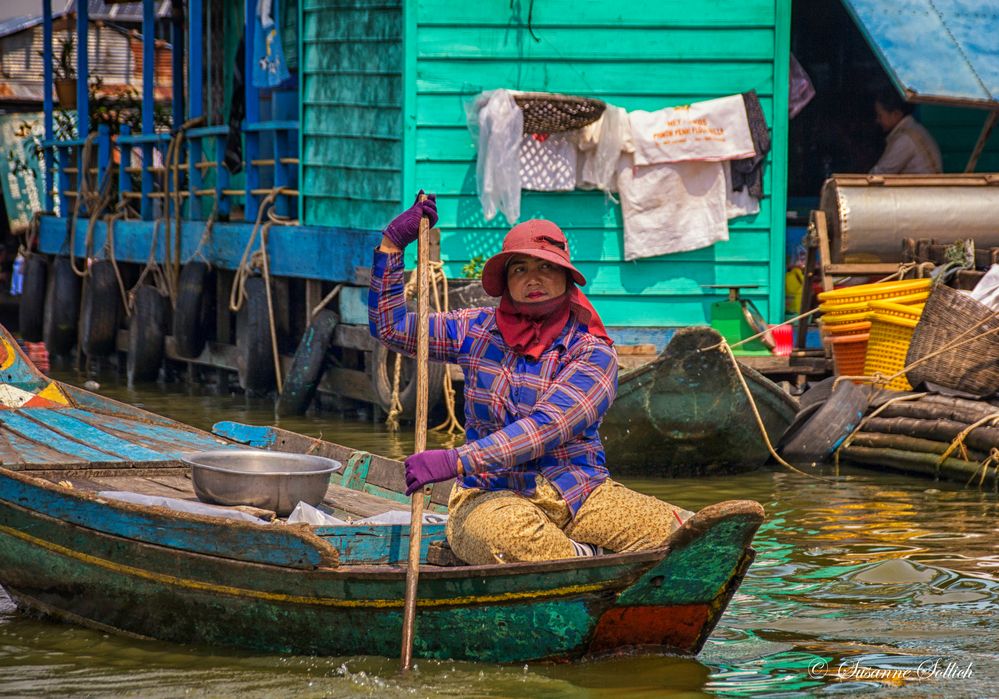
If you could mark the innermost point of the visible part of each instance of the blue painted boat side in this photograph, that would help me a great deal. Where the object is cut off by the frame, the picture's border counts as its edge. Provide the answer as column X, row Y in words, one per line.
column 278, row 545
column 310, row 252
column 180, row 440
column 59, row 421
column 378, row 543
column 27, row 428
column 250, row 435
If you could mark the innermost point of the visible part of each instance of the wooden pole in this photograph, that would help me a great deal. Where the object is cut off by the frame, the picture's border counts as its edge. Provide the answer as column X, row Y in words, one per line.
column 422, row 392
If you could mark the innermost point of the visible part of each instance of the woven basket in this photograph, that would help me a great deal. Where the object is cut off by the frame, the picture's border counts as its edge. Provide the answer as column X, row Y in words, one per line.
column 547, row 112
column 972, row 367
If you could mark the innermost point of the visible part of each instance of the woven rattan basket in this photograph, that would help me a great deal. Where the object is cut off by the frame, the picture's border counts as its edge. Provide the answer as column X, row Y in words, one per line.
column 548, row 112
column 972, row 367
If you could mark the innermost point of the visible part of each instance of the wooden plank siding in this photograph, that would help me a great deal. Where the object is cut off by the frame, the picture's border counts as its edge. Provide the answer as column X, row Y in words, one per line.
column 645, row 54
column 351, row 96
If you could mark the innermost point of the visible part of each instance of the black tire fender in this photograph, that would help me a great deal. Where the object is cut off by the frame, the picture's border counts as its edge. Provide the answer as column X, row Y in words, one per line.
column 145, row 334
column 382, row 374
column 195, row 307
column 62, row 307
column 255, row 360
column 307, row 366
column 99, row 312
column 31, row 310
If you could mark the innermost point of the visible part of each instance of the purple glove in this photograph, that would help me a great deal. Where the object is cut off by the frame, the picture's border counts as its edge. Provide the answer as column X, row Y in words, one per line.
column 405, row 227
column 430, row 466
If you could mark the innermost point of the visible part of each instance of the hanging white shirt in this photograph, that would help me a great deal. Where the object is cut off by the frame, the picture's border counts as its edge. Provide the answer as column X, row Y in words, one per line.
column 715, row 129
column 671, row 207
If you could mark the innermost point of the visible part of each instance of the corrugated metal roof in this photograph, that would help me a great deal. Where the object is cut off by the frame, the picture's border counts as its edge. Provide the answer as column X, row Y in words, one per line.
column 936, row 51
column 18, row 24
column 119, row 12
column 115, row 54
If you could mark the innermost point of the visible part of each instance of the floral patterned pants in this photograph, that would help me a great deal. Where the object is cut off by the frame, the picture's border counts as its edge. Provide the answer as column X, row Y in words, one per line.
column 500, row 526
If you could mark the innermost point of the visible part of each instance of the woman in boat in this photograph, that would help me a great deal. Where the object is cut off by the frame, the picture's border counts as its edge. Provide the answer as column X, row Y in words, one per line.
column 540, row 372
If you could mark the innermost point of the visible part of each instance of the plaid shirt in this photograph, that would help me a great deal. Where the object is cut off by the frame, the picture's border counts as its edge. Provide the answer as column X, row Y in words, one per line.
column 522, row 418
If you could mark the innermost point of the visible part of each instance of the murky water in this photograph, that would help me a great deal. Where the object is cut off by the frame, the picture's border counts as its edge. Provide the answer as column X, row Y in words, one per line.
column 874, row 584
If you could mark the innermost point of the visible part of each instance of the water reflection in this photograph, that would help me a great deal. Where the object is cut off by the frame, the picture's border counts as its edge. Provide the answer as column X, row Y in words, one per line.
column 873, row 584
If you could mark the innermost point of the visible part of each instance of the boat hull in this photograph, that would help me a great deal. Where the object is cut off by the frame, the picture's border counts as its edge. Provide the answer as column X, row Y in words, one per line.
column 511, row 613
column 686, row 413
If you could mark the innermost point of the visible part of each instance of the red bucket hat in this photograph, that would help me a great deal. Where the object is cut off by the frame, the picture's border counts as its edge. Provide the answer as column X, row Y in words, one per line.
column 537, row 238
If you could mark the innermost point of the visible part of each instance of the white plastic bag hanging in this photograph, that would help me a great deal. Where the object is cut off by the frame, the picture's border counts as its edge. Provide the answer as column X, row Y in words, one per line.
column 497, row 123
column 986, row 291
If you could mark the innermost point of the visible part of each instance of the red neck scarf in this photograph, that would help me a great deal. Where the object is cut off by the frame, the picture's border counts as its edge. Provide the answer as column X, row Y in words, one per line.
column 531, row 328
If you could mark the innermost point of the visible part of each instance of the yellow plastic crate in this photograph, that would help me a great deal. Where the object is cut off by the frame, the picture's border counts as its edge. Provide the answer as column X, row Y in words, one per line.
column 897, row 310
column 888, row 346
column 874, row 292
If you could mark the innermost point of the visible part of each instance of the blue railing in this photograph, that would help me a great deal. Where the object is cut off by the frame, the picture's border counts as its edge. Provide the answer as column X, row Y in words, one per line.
column 270, row 138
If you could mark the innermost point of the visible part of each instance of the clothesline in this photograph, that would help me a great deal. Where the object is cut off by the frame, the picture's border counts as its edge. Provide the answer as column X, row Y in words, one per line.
column 681, row 172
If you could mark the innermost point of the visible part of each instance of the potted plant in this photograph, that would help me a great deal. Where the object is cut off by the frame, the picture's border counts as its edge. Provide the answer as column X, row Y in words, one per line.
column 468, row 292
column 65, row 73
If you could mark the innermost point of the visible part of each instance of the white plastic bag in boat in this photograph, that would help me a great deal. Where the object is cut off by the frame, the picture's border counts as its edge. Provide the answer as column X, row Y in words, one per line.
column 304, row 513
column 178, row 505
column 402, row 517
column 497, row 124
column 986, row 291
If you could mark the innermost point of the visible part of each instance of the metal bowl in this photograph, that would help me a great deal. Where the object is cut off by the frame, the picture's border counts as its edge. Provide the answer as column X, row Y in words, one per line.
column 266, row 479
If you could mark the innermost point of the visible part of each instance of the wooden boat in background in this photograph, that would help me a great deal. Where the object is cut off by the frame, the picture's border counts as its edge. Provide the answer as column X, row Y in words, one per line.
column 71, row 548
column 686, row 413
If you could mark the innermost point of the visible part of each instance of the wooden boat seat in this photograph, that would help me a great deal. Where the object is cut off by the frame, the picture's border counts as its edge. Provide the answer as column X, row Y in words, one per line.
column 176, row 483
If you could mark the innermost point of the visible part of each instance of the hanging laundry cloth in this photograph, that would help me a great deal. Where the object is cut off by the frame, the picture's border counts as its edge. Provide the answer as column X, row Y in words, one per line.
column 601, row 144
column 497, row 125
column 738, row 202
column 548, row 162
column 711, row 130
column 269, row 67
column 748, row 172
column 800, row 89
column 671, row 207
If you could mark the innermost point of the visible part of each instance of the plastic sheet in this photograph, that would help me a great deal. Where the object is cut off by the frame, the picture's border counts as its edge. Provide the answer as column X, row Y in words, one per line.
column 497, row 124
column 177, row 505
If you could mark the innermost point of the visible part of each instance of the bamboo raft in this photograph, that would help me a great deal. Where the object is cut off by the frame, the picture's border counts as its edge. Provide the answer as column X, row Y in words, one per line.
column 933, row 435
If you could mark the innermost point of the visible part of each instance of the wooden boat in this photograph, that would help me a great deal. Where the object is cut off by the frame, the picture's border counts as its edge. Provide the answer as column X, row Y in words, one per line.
column 686, row 413
column 72, row 549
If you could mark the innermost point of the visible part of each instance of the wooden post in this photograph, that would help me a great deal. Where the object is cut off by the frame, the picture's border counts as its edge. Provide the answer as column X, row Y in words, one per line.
column 422, row 391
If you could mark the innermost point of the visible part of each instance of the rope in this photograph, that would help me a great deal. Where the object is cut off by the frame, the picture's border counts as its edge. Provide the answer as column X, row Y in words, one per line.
column 27, row 248
column 151, row 268
column 991, row 460
column 237, row 295
column 959, row 440
column 863, row 423
column 95, row 202
column 171, row 171
column 109, row 247
column 761, row 334
column 395, row 405
column 451, row 426
column 325, row 302
column 759, row 419
column 270, row 305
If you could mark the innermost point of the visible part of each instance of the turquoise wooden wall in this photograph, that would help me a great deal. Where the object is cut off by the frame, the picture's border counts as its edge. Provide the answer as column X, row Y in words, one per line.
column 643, row 54
column 956, row 130
column 351, row 127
